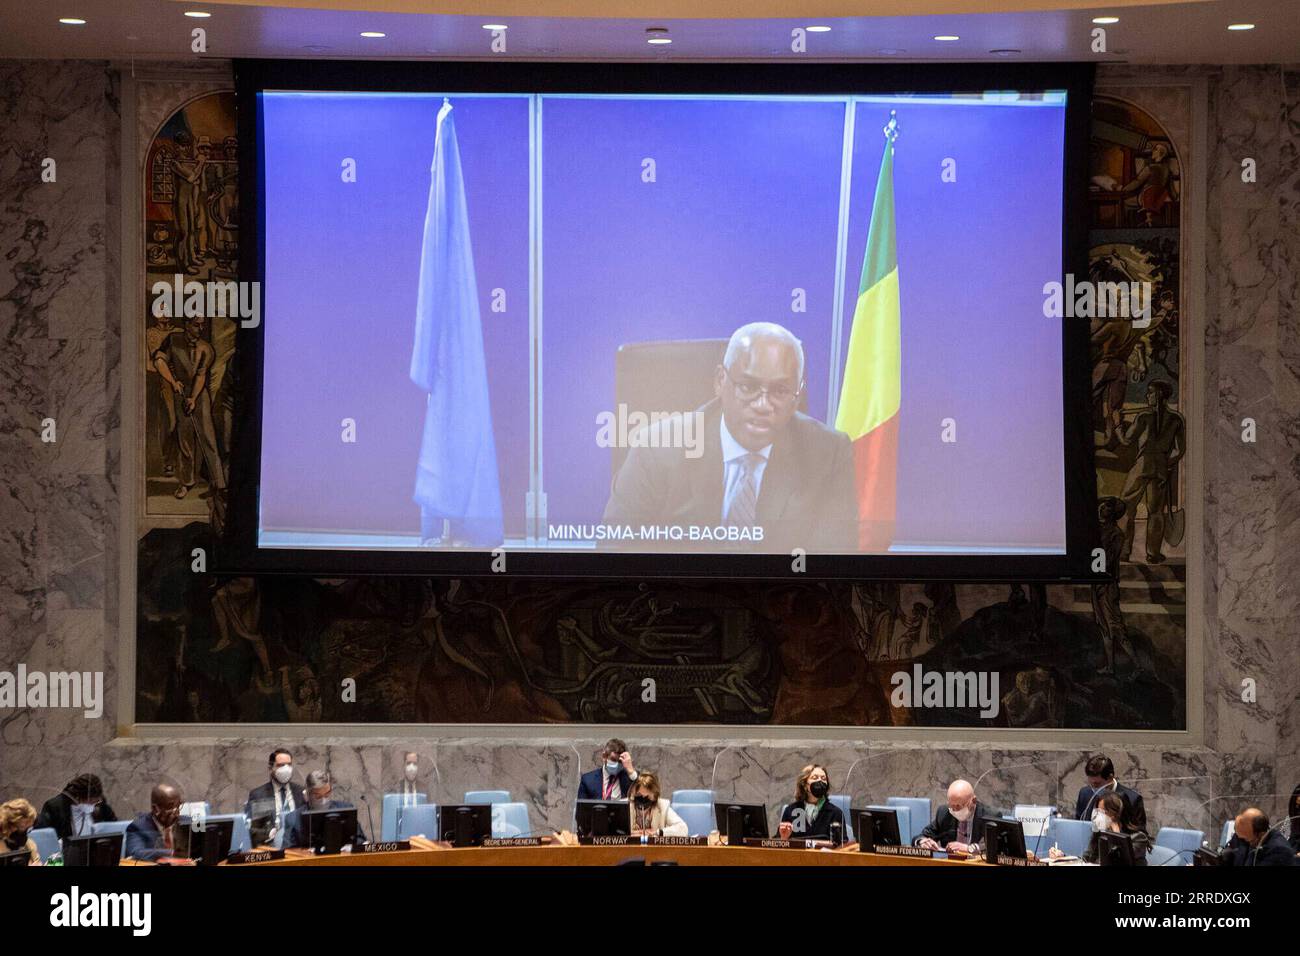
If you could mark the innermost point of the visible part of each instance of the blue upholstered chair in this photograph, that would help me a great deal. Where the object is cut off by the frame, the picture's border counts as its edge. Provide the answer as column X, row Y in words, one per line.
column 1180, row 841
column 920, row 815
column 421, row 820
column 692, row 796
column 698, row 816
column 112, row 826
column 1163, row 856
column 487, row 796
column 47, row 842
column 1070, row 836
column 509, row 819
column 389, row 815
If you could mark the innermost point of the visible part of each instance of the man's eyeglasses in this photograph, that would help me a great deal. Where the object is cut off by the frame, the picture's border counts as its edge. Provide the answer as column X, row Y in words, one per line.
column 748, row 392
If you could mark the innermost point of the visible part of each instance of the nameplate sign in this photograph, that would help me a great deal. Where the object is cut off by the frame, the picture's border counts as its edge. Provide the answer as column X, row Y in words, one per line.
column 630, row 841
column 383, row 846
column 794, row 843
column 917, row 851
column 255, row 856
column 513, row 841
column 1019, row 861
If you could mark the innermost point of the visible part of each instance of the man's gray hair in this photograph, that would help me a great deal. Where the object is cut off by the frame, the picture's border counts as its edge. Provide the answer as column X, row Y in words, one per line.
column 317, row 779
column 742, row 340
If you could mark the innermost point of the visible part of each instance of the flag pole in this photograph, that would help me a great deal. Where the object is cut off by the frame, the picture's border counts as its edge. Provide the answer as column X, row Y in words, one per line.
column 834, row 373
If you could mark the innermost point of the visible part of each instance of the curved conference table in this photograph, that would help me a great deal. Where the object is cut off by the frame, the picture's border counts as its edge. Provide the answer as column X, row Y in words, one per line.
column 424, row 852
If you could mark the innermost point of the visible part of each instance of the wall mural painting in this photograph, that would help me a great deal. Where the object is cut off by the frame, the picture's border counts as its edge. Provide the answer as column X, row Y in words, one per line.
column 191, row 234
column 431, row 650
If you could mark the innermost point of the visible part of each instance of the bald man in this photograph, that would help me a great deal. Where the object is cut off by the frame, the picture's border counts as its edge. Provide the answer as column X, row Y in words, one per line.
column 780, row 479
column 958, row 827
column 1254, row 843
column 152, row 836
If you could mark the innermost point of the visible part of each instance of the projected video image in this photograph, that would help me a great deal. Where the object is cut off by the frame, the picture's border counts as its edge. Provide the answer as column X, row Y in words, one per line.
column 662, row 323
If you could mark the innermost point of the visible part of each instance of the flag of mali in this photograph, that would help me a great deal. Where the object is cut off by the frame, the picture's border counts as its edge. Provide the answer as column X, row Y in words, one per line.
column 870, row 396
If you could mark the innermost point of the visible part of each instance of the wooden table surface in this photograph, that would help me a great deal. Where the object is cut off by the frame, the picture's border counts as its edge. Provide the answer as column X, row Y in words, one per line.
column 428, row 853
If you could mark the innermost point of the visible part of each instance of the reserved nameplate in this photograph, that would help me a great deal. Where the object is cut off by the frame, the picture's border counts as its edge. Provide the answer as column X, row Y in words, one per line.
column 255, row 856
column 382, row 846
column 513, row 841
column 918, row 851
column 1019, row 861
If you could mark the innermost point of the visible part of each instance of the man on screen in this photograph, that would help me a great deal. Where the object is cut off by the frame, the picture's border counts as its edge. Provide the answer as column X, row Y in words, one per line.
column 783, row 479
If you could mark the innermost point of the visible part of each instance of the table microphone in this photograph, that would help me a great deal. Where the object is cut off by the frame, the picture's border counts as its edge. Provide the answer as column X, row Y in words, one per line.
column 370, row 820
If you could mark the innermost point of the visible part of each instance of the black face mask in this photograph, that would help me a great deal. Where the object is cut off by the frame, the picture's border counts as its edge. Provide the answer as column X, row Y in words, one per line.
column 17, row 840
column 819, row 788
column 644, row 802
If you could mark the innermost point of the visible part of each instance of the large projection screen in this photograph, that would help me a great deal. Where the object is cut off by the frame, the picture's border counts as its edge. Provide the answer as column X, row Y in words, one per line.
column 667, row 330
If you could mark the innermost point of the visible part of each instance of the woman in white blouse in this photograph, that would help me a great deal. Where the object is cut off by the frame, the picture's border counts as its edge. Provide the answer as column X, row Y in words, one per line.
column 652, row 815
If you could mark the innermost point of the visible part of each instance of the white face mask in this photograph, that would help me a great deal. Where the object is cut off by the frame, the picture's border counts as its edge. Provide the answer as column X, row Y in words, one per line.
column 283, row 773
column 962, row 815
column 1100, row 821
column 411, row 770
column 320, row 803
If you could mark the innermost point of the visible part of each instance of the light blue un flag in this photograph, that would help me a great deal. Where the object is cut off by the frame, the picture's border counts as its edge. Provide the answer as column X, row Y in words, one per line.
column 457, row 477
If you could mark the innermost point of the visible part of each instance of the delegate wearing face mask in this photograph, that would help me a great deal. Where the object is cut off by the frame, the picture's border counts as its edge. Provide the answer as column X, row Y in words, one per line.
column 613, row 778
column 408, row 790
column 268, row 805
column 76, row 810
column 812, row 815
column 320, row 796
column 958, row 826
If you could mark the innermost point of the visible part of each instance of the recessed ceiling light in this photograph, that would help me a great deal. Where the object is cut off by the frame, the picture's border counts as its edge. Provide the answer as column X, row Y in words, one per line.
column 373, row 35
column 890, row 51
column 1105, row 20
column 1004, row 52
column 1241, row 26
column 197, row 14
column 659, row 41
column 947, row 38
column 72, row 21
column 495, row 26
column 818, row 29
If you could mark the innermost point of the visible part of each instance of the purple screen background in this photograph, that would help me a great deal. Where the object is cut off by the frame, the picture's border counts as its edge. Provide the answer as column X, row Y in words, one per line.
column 744, row 209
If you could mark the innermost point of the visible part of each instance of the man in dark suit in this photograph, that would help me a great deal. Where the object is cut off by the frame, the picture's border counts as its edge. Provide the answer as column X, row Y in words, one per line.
column 152, row 836
column 958, row 827
column 76, row 810
column 1101, row 778
column 269, row 804
column 756, row 465
column 1254, row 843
column 320, row 790
column 613, row 779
